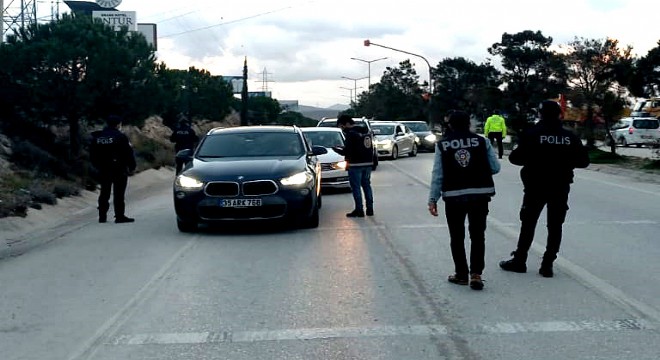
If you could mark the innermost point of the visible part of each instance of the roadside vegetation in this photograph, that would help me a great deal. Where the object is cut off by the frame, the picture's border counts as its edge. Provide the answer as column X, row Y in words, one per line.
column 59, row 81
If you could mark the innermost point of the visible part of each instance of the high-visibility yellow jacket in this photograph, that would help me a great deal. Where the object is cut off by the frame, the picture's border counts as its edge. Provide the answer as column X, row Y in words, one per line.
column 495, row 123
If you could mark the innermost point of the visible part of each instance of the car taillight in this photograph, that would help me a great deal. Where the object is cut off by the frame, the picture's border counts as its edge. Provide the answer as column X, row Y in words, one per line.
column 631, row 130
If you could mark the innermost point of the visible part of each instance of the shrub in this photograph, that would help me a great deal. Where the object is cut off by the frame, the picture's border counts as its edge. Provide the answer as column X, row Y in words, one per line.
column 64, row 189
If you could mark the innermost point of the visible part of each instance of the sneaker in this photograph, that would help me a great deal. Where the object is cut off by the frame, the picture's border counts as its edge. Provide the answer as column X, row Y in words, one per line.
column 355, row 213
column 458, row 280
column 546, row 271
column 513, row 265
column 475, row 282
column 370, row 212
column 124, row 219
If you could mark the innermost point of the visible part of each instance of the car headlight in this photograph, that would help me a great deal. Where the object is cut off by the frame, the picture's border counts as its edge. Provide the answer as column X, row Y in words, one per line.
column 188, row 183
column 341, row 165
column 430, row 138
column 300, row 178
column 417, row 141
column 387, row 143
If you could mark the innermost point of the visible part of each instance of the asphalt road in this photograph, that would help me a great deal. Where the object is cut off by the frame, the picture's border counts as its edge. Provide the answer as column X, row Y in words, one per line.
column 372, row 288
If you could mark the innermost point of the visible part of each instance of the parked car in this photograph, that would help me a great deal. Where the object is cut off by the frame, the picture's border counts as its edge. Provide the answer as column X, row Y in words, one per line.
column 636, row 131
column 332, row 122
column 426, row 139
column 393, row 139
column 333, row 165
column 249, row 173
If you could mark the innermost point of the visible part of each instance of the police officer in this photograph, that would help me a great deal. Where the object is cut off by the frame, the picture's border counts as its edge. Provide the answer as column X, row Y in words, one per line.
column 495, row 130
column 112, row 155
column 183, row 137
column 358, row 153
column 463, row 175
column 548, row 153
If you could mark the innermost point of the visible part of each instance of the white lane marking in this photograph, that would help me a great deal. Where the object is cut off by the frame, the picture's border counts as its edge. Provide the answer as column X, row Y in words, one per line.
column 379, row 331
column 588, row 178
column 88, row 349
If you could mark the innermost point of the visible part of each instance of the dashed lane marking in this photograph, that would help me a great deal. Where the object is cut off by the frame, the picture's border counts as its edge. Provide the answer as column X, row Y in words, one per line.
column 193, row 338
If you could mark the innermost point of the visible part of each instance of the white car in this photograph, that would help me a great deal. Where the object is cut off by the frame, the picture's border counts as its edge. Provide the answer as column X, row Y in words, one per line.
column 394, row 139
column 333, row 165
column 636, row 131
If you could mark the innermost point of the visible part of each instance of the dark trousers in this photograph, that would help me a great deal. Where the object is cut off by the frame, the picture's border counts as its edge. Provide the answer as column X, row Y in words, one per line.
column 534, row 201
column 359, row 178
column 493, row 136
column 476, row 212
column 115, row 184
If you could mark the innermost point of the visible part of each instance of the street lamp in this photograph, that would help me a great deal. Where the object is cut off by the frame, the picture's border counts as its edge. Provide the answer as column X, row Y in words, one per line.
column 354, row 82
column 369, row 43
column 350, row 91
column 368, row 68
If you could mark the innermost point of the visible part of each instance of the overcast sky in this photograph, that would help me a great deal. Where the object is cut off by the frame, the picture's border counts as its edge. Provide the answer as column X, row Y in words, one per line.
column 306, row 46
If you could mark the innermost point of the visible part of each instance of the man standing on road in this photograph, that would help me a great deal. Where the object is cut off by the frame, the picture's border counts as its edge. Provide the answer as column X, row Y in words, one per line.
column 183, row 137
column 463, row 175
column 358, row 153
column 548, row 154
column 112, row 155
column 495, row 130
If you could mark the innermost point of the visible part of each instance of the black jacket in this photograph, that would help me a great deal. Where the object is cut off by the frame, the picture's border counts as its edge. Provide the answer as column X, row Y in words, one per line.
column 467, row 171
column 548, row 154
column 359, row 147
column 111, row 152
column 184, row 137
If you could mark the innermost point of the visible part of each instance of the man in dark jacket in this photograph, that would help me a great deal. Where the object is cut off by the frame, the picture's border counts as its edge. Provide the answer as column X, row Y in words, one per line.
column 112, row 155
column 358, row 153
column 463, row 175
column 548, row 154
column 183, row 137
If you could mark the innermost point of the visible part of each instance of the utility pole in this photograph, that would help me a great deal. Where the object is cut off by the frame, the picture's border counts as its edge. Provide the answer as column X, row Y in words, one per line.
column 17, row 15
column 264, row 80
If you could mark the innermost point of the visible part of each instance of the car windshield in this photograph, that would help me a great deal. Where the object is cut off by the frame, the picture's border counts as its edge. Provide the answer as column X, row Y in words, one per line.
column 251, row 144
column 383, row 129
column 326, row 139
column 418, row 126
column 646, row 124
column 329, row 123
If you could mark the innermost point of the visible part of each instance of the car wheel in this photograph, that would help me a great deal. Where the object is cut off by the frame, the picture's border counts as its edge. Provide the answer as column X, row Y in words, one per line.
column 395, row 153
column 319, row 202
column 623, row 142
column 312, row 221
column 413, row 152
column 186, row 226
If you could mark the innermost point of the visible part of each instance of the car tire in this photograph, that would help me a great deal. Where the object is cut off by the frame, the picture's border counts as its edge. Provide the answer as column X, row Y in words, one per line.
column 395, row 153
column 319, row 201
column 312, row 222
column 623, row 142
column 186, row 226
column 413, row 152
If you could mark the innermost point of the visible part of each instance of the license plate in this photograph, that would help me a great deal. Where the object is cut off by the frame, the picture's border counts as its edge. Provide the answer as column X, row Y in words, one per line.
column 240, row 202
column 647, row 137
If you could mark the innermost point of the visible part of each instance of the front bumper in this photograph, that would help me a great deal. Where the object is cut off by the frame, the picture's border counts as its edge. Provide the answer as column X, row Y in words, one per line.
column 334, row 179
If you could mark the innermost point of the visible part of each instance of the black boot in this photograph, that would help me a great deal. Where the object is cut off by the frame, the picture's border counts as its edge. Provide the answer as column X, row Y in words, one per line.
column 515, row 264
column 546, row 268
column 355, row 213
column 123, row 219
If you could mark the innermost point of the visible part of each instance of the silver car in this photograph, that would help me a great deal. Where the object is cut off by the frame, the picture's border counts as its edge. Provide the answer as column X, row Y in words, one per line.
column 333, row 166
column 393, row 139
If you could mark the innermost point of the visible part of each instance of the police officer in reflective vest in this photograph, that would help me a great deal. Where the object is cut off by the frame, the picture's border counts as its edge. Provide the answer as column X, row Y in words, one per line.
column 112, row 155
column 548, row 153
column 463, row 175
column 183, row 137
column 495, row 130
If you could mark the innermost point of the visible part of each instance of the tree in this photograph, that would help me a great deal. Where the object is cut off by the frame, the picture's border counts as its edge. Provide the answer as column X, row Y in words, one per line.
column 532, row 73
column 397, row 96
column 462, row 84
column 263, row 110
column 593, row 69
column 645, row 77
column 77, row 69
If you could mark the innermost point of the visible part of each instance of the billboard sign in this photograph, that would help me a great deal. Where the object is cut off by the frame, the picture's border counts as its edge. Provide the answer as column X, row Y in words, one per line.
column 117, row 19
column 149, row 32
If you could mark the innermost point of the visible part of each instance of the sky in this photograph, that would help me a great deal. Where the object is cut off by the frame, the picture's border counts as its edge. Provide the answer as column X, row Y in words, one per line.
column 301, row 49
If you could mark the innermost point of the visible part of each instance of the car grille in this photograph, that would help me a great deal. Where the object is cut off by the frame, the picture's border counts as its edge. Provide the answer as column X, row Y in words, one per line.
column 221, row 189
column 258, row 212
column 334, row 180
column 259, row 187
column 326, row 167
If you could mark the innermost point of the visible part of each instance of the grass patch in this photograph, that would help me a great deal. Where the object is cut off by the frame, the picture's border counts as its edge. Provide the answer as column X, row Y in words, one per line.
column 652, row 165
column 605, row 157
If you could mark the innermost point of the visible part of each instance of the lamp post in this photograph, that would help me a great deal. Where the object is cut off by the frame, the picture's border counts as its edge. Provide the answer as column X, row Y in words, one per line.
column 368, row 68
column 354, row 82
column 369, row 43
column 350, row 91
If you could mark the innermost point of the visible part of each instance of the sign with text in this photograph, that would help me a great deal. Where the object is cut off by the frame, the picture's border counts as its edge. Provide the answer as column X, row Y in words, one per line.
column 117, row 19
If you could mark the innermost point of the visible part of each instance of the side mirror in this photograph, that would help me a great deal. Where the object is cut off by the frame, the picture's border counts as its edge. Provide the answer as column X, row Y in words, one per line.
column 319, row 150
column 185, row 155
column 399, row 134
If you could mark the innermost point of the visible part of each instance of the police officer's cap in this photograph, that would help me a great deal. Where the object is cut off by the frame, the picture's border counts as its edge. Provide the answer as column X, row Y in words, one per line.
column 114, row 120
column 549, row 109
